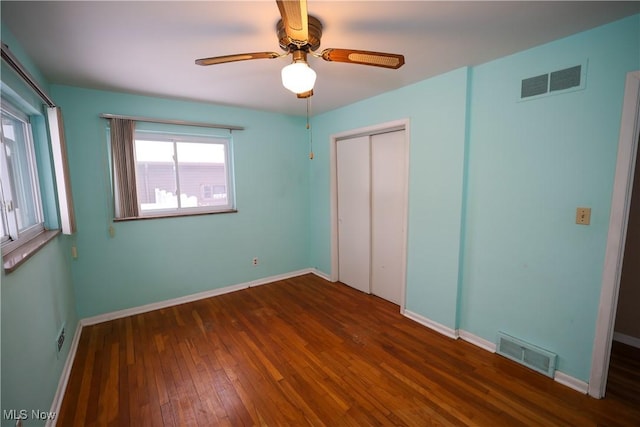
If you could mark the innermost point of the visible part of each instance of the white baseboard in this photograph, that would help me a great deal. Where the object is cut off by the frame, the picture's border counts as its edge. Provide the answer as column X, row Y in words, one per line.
column 626, row 339
column 160, row 304
column 322, row 275
column 64, row 376
column 188, row 298
column 444, row 330
column 560, row 377
column 571, row 382
column 271, row 279
column 477, row 341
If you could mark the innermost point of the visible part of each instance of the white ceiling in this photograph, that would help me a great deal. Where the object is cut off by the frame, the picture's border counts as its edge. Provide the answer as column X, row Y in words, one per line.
column 149, row 47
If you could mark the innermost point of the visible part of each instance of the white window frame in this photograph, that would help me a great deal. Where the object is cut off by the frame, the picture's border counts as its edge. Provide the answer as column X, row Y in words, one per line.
column 177, row 138
column 15, row 237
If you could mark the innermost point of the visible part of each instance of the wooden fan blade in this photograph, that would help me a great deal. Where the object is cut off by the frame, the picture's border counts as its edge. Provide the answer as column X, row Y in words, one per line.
column 364, row 57
column 237, row 57
column 295, row 19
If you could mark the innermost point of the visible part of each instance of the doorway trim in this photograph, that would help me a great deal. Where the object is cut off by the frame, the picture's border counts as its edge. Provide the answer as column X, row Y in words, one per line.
column 396, row 125
column 616, row 237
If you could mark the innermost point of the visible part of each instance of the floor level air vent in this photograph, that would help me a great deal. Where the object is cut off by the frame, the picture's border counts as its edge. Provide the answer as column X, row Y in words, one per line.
column 526, row 354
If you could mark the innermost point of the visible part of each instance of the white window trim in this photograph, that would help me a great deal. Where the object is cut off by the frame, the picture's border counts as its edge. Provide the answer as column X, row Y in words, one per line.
column 61, row 170
column 21, row 237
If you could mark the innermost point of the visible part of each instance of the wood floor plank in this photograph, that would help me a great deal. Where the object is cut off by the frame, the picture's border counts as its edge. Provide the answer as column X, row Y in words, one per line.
column 86, row 369
column 307, row 352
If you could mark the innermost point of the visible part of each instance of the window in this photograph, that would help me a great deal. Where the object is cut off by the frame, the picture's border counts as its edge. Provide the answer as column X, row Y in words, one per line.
column 181, row 175
column 21, row 212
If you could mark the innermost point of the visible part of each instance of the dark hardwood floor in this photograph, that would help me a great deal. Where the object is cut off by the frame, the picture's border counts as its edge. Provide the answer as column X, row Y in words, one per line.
column 623, row 383
column 305, row 351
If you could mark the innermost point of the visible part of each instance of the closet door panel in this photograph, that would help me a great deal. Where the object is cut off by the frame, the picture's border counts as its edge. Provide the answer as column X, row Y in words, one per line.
column 354, row 212
column 387, row 212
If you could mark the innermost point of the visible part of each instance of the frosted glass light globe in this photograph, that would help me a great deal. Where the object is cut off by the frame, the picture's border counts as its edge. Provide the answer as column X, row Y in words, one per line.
column 298, row 77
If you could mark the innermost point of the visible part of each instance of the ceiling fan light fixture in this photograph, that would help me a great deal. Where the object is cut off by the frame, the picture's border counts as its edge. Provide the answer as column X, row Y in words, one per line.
column 298, row 77
column 299, row 35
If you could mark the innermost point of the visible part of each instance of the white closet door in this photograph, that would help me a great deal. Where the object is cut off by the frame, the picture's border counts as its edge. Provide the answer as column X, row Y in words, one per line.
column 354, row 212
column 387, row 214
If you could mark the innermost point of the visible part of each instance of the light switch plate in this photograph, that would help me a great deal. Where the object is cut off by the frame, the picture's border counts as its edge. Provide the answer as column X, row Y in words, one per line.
column 583, row 216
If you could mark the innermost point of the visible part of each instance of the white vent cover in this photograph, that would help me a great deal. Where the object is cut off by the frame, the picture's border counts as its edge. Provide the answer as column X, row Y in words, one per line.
column 526, row 354
column 560, row 81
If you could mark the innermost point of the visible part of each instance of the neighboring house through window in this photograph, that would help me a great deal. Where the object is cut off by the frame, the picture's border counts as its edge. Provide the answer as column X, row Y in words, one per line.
column 212, row 191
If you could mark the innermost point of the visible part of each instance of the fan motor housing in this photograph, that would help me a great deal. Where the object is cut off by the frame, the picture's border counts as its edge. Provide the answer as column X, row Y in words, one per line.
column 315, row 34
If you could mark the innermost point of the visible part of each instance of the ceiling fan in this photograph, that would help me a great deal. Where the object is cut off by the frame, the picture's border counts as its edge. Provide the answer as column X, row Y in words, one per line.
column 299, row 35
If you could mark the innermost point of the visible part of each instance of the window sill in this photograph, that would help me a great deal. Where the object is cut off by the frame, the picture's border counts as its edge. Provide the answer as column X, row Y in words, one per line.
column 173, row 215
column 14, row 259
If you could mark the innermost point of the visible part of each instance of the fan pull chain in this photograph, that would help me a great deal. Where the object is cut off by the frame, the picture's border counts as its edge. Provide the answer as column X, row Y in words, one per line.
column 309, row 129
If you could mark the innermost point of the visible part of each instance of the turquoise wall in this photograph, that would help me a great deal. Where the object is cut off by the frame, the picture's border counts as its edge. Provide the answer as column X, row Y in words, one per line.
column 436, row 109
column 494, row 184
column 154, row 260
column 529, row 270
column 37, row 299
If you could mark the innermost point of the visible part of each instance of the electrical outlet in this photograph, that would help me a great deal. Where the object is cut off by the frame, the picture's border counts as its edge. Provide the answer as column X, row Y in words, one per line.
column 60, row 340
column 583, row 216
column 255, row 261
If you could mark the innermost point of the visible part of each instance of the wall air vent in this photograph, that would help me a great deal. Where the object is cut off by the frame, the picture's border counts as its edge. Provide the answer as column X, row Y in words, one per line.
column 534, row 86
column 560, row 81
column 565, row 79
column 529, row 355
